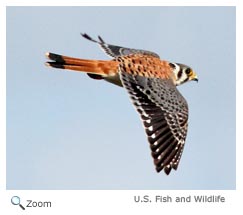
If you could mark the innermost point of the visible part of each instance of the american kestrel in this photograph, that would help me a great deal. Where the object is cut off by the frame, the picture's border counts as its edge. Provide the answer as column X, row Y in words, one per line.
column 151, row 84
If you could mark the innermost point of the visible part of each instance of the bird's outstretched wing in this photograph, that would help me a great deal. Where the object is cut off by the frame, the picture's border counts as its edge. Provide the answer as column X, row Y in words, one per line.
column 116, row 51
column 164, row 113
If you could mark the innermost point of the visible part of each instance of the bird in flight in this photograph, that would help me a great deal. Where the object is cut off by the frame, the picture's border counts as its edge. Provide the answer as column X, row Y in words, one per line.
column 151, row 84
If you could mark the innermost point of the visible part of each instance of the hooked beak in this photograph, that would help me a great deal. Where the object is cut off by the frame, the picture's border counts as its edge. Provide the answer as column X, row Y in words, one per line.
column 194, row 77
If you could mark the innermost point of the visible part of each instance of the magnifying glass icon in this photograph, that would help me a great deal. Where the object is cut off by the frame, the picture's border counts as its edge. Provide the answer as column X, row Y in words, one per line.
column 15, row 200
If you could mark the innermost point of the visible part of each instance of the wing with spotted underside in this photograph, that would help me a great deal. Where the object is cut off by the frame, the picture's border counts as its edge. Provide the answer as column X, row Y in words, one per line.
column 164, row 113
column 116, row 51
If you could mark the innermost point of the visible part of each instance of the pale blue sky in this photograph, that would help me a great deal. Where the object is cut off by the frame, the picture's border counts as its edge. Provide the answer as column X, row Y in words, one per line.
column 67, row 131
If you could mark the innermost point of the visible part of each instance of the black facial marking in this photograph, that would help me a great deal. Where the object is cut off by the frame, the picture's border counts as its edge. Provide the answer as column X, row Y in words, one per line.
column 185, row 80
column 179, row 74
column 172, row 65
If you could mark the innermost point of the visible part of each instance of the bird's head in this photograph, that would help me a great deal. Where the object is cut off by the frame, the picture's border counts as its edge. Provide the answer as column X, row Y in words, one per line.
column 183, row 73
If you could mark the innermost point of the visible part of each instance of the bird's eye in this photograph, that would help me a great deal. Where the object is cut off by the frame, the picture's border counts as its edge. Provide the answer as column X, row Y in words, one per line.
column 188, row 71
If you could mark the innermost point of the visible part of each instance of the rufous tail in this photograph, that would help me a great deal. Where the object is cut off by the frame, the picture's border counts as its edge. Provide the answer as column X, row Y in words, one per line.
column 96, row 67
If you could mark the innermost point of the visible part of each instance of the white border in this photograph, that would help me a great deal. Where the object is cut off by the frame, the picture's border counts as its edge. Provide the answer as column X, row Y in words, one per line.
column 122, row 3
column 118, row 202
column 3, row 99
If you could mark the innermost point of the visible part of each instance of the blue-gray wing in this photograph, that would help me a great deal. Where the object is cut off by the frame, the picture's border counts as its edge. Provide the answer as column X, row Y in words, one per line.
column 164, row 113
column 116, row 51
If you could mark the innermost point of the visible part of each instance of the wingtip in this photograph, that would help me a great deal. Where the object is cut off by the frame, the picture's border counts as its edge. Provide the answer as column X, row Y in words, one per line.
column 83, row 34
column 86, row 36
column 100, row 38
column 158, row 169
column 167, row 170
